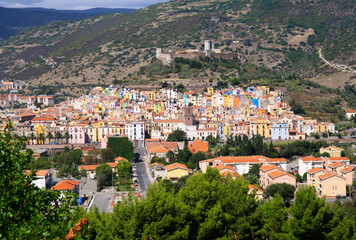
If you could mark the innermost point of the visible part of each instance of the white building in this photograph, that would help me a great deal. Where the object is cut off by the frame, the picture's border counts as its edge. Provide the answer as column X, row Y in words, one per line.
column 43, row 178
column 307, row 163
column 135, row 130
column 280, row 131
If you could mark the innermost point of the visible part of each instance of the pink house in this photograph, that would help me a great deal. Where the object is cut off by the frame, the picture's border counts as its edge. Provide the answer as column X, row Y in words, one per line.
column 271, row 174
column 330, row 160
column 348, row 174
column 76, row 135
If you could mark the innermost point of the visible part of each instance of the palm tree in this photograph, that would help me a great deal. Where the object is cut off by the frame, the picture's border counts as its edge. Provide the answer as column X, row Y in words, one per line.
column 49, row 137
column 66, row 136
column 42, row 138
column 58, row 136
column 32, row 137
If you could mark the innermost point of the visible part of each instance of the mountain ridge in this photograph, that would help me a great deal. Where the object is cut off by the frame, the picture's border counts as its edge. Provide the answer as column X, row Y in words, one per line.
column 13, row 20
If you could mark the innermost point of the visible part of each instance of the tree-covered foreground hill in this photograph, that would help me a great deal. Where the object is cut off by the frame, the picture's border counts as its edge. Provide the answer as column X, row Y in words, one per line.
column 207, row 206
column 210, row 206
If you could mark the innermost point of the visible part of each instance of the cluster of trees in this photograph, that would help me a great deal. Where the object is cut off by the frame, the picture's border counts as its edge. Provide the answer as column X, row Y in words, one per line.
column 177, row 136
column 27, row 212
column 121, row 147
column 124, row 180
column 104, row 175
column 67, row 162
column 96, row 156
column 209, row 206
column 243, row 146
column 40, row 163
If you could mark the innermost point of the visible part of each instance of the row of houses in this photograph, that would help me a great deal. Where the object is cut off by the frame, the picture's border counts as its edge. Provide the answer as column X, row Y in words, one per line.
column 154, row 114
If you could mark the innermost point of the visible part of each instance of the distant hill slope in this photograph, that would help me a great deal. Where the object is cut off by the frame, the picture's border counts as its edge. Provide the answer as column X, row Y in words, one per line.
column 283, row 35
column 13, row 20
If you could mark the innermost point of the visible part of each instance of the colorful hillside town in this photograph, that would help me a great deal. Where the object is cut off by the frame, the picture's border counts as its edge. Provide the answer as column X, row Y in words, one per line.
column 155, row 114
column 148, row 118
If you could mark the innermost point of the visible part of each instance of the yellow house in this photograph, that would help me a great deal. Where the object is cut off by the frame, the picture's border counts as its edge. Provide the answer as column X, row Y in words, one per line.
column 97, row 131
column 40, row 134
column 176, row 170
column 332, row 150
column 163, row 106
column 210, row 91
column 227, row 130
column 246, row 111
column 126, row 95
column 157, row 108
column 261, row 128
column 152, row 95
column 212, row 125
column 321, row 127
column 226, row 101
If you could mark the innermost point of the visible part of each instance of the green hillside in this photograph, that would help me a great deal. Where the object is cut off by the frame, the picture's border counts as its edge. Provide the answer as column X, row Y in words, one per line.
column 280, row 38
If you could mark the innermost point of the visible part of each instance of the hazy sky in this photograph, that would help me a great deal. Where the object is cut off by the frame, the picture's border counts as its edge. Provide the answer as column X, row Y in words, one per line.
column 78, row 4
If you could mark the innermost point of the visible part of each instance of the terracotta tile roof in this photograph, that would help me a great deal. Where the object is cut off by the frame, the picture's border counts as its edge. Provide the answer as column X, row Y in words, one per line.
column 170, row 145
column 327, row 175
column 314, row 170
column 112, row 164
column 221, row 167
column 118, row 159
column 270, row 160
column 268, row 168
column 65, row 185
column 88, row 167
column 347, row 169
column 338, row 159
column 239, row 159
column 157, row 149
column 176, row 165
column 42, row 173
column 314, row 159
column 156, row 163
column 278, row 173
column 198, row 146
column 336, row 164
column 250, row 186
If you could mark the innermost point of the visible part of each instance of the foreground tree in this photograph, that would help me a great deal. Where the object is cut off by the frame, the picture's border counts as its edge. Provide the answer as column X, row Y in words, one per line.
column 286, row 191
column 104, row 175
column 27, row 212
column 208, row 206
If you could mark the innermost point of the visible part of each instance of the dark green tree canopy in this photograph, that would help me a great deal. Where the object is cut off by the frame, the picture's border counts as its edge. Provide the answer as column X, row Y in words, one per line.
column 27, row 212
column 104, row 175
column 177, row 136
column 286, row 191
column 121, row 147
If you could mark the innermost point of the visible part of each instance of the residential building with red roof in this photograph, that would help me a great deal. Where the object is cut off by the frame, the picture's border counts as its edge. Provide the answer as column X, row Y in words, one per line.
column 331, row 185
column 198, row 146
column 67, row 185
column 176, row 170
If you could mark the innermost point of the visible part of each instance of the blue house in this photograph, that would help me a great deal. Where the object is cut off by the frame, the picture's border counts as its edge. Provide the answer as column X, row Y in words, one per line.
column 256, row 102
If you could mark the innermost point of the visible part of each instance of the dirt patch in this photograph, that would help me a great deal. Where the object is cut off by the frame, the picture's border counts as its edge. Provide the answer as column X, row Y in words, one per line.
column 300, row 37
column 335, row 80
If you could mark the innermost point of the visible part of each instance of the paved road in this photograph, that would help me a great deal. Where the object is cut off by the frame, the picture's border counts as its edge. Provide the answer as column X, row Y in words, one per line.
column 103, row 201
column 291, row 165
column 141, row 168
